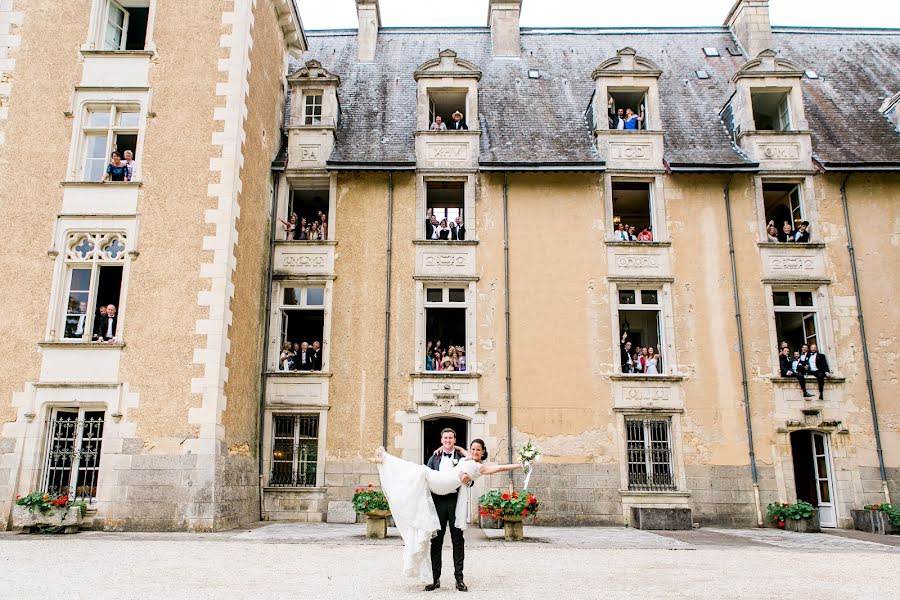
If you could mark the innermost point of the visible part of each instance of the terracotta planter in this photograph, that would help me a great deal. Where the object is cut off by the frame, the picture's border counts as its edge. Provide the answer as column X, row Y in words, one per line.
column 376, row 523
column 873, row 521
column 69, row 519
column 513, row 530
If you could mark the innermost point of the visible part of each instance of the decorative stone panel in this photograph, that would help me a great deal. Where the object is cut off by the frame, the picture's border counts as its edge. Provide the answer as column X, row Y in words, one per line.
column 447, row 149
column 447, row 393
column 303, row 258
column 445, row 259
column 115, row 198
column 116, row 69
column 793, row 261
column 309, row 146
column 646, row 392
column 626, row 149
column 290, row 389
column 778, row 151
column 634, row 259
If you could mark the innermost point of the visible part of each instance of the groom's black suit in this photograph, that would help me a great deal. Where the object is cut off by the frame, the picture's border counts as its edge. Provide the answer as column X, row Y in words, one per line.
column 446, row 510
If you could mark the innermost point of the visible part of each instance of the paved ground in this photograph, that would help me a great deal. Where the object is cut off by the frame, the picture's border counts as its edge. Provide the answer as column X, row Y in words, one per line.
column 337, row 561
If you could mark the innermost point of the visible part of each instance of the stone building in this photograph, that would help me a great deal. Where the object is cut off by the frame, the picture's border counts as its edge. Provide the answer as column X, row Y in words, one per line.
column 189, row 419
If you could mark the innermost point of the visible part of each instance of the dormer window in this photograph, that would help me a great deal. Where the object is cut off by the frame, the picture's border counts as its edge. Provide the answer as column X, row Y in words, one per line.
column 771, row 109
column 627, row 92
column 312, row 108
column 444, row 105
column 447, row 88
column 627, row 108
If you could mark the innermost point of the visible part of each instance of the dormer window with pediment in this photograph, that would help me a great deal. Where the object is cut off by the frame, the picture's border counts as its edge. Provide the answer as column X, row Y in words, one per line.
column 314, row 115
column 447, row 88
column 627, row 93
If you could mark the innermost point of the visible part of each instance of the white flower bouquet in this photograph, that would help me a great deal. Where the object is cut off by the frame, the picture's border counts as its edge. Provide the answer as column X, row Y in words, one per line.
column 528, row 455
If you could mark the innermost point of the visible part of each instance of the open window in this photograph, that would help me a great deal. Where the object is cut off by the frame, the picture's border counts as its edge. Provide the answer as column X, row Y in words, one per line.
column 640, row 317
column 445, row 210
column 771, row 110
column 108, row 128
column 307, row 214
column 445, row 329
column 623, row 100
column 796, row 318
column 124, row 25
column 443, row 103
column 93, row 286
column 783, row 204
column 302, row 328
column 632, row 211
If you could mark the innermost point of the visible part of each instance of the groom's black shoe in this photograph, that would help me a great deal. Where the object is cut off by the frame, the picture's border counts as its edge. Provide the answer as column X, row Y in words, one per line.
column 461, row 586
column 432, row 586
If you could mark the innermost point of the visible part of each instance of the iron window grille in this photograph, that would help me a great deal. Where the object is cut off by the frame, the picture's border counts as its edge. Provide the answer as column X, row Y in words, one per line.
column 649, row 455
column 295, row 451
column 72, row 466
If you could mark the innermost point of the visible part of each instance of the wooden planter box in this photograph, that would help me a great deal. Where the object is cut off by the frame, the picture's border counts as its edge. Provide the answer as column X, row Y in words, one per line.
column 69, row 519
column 873, row 521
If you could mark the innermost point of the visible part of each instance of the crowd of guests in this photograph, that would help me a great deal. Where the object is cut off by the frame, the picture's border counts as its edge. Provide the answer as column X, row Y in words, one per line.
column 638, row 359
column 800, row 235
column 119, row 168
column 299, row 228
column 630, row 233
column 625, row 118
column 458, row 123
column 105, row 322
column 300, row 356
column 444, row 357
column 803, row 363
column 445, row 229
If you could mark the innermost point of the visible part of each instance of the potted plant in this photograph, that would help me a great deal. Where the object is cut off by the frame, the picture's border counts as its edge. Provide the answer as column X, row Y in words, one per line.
column 374, row 504
column 511, row 508
column 800, row 516
column 877, row 518
column 46, row 513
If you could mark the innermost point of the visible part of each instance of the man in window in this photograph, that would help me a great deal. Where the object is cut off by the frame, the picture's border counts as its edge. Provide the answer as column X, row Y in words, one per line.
column 431, row 224
column 460, row 232
column 627, row 362
column 795, row 368
column 316, row 356
column 818, row 368
column 458, row 124
column 616, row 117
column 801, row 234
column 129, row 162
column 304, row 359
column 105, row 328
column 438, row 124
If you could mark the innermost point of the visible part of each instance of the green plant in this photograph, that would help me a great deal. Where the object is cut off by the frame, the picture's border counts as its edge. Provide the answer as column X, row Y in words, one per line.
column 368, row 499
column 501, row 505
column 779, row 512
column 892, row 512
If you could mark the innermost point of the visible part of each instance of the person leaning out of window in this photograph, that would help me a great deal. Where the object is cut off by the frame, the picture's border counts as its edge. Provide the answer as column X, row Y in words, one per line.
column 116, row 170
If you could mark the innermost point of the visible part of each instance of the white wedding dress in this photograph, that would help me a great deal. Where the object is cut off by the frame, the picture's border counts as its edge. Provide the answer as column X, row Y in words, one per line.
column 408, row 487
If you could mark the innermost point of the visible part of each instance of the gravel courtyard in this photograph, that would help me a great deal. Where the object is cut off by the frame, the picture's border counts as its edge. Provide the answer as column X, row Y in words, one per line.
column 337, row 561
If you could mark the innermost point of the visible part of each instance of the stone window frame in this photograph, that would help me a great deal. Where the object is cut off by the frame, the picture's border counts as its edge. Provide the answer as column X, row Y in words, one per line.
column 627, row 71
column 808, row 204
column 768, row 72
column 309, row 181
column 471, row 324
column 309, row 108
column 447, row 72
column 314, row 79
column 675, row 438
column 320, row 411
column 667, row 324
column 275, row 340
column 45, row 449
column 657, row 205
column 469, row 188
column 97, row 26
column 824, row 323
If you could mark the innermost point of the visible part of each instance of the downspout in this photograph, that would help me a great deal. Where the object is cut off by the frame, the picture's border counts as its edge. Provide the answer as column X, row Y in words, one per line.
column 509, row 444
column 265, row 361
column 387, row 307
column 740, row 334
column 865, row 346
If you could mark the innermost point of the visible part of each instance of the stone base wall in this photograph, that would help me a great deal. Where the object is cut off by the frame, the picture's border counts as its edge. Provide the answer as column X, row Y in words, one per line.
column 722, row 496
column 307, row 505
column 237, row 491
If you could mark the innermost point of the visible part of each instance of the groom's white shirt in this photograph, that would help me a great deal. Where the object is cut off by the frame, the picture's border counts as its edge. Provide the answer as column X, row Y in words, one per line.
column 446, row 463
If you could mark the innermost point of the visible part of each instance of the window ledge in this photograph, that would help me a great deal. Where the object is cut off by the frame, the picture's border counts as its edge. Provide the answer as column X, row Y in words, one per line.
column 448, row 278
column 125, row 53
column 670, row 493
column 446, row 242
column 798, row 280
column 300, row 374
column 97, row 183
column 627, row 132
column 294, row 489
column 790, row 132
column 81, row 345
column 448, row 131
column 309, row 242
column 444, row 375
column 780, row 245
column 793, row 380
column 642, row 377
column 617, row 243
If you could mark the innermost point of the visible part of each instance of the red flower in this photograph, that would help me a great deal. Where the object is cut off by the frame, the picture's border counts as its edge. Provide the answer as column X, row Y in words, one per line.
column 19, row 497
column 787, row 503
column 505, row 496
column 524, row 511
column 532, row 500
column 370, row 485
column 781, row 523
column 515, row 494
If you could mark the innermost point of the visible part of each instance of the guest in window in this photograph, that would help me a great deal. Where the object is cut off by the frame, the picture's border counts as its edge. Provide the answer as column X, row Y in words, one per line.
column 284, row 359
column 302, row 232
column 105, row 328
column 784, row 362
column 621, row 235
column 625, row 346
column 645, row 235
column 458, row 124
column 632, row 236
column 290, row 227
column 462, row 358
column 429, row 361
column 303, row 361
column 431, row 223
column 771, row 232
column 652, row 367
column 801, row 234
column 295, row 350
column 447, row 364
column 636, row 363
column 786, row 234
column 316, row 356
column 438, row 124
column 444, row 233
column 129, row 162
column 633, row 121
column 817, row 365
column 116, row 170
column 645, row 356
column 314, row 232
column 452, row 225
column 616, row 117
column 460, row 229
column 323, row 227
column 436, row 362
column 798, row 369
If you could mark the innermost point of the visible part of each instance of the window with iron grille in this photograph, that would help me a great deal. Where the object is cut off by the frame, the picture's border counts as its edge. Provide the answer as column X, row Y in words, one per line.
column 72, row 465
column 295, row 450
column 649, row 455
column 312, row 113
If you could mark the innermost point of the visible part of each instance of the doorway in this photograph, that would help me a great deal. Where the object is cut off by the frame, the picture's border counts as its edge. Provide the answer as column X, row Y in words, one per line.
column 431, row 434
column 813, row 473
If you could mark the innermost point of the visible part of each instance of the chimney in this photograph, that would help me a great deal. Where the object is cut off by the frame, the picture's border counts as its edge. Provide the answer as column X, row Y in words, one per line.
column 503, row 19
column 369, row 23
column 749, row 21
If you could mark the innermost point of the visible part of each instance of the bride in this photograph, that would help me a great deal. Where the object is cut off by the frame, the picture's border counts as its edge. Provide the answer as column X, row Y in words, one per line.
column 409, row 486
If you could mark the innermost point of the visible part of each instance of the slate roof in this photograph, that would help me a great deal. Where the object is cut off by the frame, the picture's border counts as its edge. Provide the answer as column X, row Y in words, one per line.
column 542, row 121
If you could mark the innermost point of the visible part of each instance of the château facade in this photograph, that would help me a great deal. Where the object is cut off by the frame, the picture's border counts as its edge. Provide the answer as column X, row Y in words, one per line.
column 335, row 240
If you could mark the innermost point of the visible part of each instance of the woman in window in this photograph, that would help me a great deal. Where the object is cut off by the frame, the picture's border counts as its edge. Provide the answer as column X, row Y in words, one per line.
column 771, row 232
column 323, row 219
column 454, row 358
column 302, row 232
column 314, row 232
column 652, row 362
column 635, row 363
column 645, row 235
column 290, row 227
column 621, row 235
column 436, row 363
column 116, row 170
column 284, row 361
column 645, row 356
column 462, row 358
column 633, row 121
column 444, row 233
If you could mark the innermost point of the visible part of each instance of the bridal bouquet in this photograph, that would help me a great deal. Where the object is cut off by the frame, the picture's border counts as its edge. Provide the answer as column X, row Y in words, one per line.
column 528, row 454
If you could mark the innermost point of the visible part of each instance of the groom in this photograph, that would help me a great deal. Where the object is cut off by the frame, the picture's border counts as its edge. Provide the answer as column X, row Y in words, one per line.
column 446, row 510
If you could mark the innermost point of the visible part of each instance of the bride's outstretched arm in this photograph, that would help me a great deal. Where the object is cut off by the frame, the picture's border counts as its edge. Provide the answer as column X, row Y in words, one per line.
column 491, row 469
column 462, row 451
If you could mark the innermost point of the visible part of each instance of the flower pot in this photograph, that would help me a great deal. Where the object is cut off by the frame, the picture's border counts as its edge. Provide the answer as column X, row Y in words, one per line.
column 873, row 521
column 810, row 525
column 67, row 519
column 378, row 514
column 513, row 531
column 376, row 524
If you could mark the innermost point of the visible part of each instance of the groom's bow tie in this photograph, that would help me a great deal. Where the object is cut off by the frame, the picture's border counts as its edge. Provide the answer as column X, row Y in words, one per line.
column 447, row 455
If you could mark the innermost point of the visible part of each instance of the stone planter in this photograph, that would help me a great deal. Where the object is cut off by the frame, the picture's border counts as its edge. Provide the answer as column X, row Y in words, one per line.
column 810, row 525
column 873, row 521
column 376, row 523
column 69, row 519
column 513, row 530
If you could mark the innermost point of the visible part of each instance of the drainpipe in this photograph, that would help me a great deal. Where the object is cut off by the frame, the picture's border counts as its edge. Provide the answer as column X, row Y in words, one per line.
column 265, row 361
column 387, row 307
column 509, row 444
column 865, row 346
column 740, row 332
